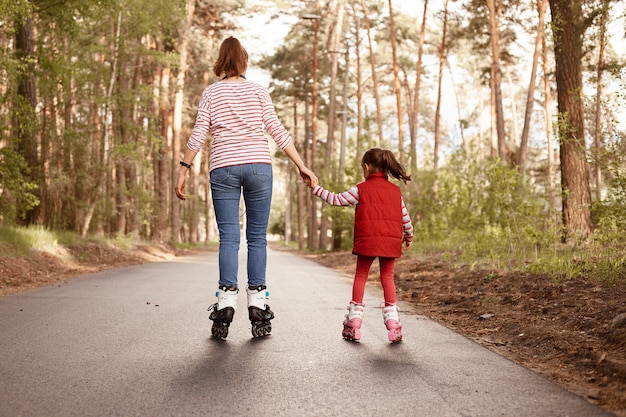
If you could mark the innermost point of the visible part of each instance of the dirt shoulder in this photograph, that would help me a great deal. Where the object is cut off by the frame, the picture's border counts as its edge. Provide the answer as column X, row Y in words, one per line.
column 60, row 264
column 571, row 332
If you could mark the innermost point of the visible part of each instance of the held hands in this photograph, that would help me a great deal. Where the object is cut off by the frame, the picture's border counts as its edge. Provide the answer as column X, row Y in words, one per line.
column 309, row 177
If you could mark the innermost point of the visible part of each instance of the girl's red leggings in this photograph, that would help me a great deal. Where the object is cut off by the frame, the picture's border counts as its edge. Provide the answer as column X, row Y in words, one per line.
column 363, row 264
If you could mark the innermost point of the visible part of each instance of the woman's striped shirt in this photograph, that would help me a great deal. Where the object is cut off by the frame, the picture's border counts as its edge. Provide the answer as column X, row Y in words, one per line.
column 235, row 113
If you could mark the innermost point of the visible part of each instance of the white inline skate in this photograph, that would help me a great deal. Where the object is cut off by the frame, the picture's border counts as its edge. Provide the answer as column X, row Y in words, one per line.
column 392, row 322
column 353, row 321
column 258, row 310
column 223, row 311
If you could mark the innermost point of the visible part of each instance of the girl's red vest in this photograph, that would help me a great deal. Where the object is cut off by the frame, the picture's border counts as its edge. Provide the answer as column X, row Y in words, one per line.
column 378, row 218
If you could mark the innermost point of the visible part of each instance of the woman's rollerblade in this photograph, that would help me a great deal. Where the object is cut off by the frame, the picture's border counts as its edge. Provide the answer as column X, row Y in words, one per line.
column 392, row 322
column 352, row 323
column 223, row 311
column 258, row 310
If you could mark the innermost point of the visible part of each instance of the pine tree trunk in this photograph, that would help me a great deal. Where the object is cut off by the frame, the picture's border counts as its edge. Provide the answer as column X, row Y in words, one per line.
column 413, row 122
column 568, row 28
column 494, row 32
column 530, row 99
column 597, row 134
column 313, row 232
column 396, row 85
column 161, row 230
column 183, row 47
column 547, row 92
column 359, row 90
column 24, row 118
column 379, row 117
column 442, row 58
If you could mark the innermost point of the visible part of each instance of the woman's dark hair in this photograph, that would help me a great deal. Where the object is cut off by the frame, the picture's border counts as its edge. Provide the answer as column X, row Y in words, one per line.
column 383, row 160
column 232, row 60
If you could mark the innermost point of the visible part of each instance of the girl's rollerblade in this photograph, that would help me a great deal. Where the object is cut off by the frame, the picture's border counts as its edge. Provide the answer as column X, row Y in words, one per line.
column 223, row 311
column 392, row 322
column 352, row 323
column 258, row 310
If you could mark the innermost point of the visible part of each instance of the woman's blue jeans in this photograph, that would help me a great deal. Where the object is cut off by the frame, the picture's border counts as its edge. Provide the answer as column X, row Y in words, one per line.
column 227, row 184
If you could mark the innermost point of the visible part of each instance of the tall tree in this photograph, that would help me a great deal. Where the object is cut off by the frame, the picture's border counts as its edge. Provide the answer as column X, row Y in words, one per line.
column 183, row 47
column 413, row 118
column 24, row 110
column 547, row 111
column 568, row 27
column 397, row 88
column 542, row 6
column 334, row 42
column 495, row 13
column 442, row 60
column 379, row 117
column 597, row 134
column 359, row 88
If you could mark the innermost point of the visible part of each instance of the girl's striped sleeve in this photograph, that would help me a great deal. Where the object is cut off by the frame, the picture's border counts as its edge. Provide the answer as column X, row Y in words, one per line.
column 347, row 198
column 407, row 226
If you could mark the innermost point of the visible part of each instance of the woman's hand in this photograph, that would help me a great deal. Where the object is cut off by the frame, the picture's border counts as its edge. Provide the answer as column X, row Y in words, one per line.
column 309, row 177
column 180, row 184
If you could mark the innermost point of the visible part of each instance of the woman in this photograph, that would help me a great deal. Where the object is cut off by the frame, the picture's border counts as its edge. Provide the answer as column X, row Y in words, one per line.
column 235, row 112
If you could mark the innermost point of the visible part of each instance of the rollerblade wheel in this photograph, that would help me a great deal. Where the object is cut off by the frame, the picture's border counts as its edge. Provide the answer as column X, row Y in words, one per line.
column 219, row 331
column 261, row 329
column 351, row 334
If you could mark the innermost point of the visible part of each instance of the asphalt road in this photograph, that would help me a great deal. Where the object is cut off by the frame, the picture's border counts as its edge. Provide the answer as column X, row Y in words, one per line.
column 136, row 342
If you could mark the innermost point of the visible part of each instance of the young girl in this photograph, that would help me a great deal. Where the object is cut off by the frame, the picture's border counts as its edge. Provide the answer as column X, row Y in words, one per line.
column 381, row 225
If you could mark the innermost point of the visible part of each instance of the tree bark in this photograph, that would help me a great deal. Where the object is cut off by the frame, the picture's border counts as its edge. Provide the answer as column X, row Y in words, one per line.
column 597, row 134
column 547, row 90
column 442, row 59
column 379, row 117
column 495, row 10
column 530, row 99
column 568, row 28
column 325, row 222
column 312, row 233
column 414, row 122
column 183, row 47
column 24, row 118
column 397, row 88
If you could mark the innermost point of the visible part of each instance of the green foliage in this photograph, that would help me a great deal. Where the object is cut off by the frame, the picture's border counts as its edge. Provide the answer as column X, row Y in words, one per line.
column 17, row 195
column 15, row 10
column 596, row 262
column 609, row 215
column 20, row 241
column 484, row 210
column 491, row 216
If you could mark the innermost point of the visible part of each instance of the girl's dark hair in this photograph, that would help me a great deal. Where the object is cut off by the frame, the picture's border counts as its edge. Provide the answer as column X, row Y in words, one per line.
column 232, row 60
column 382, row 160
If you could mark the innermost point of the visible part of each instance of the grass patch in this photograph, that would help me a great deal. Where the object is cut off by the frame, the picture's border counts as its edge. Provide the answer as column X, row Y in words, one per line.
column 21, row 241
column 491, row 251
column 600, row 263
column 18, row 241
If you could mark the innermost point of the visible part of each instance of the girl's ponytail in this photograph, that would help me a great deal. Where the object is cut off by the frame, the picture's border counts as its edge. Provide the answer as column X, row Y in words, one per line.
column 383, row 160
column 394, row 168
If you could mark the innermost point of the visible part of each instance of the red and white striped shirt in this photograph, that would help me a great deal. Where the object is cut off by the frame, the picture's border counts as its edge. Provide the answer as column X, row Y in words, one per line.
column 235, row 114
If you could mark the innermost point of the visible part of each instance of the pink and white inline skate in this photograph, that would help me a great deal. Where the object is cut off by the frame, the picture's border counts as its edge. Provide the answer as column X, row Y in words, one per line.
column 392, row 322
column 352, row 323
